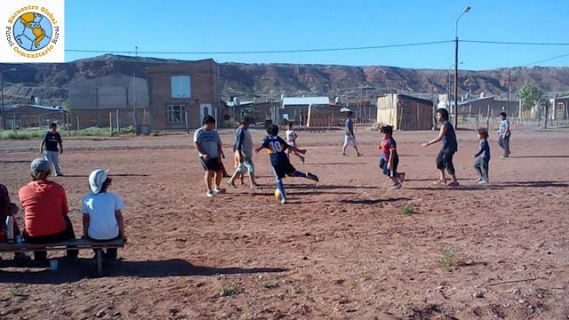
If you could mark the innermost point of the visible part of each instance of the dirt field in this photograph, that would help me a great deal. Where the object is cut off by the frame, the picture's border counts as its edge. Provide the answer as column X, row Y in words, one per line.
column 341, row 249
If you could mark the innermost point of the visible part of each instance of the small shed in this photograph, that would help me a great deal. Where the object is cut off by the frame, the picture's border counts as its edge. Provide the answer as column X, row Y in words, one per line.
column 298, row 109
column 405, row 112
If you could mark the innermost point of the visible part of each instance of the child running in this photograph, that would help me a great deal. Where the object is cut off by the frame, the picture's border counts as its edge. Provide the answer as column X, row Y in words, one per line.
column 389, row 159
column 291, row 137
column 483, row 157
column 280, row 162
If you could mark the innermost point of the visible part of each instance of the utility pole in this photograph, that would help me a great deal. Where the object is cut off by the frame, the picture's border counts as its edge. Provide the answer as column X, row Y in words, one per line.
column 3, row 122
column 466, row 10
column 134, row 115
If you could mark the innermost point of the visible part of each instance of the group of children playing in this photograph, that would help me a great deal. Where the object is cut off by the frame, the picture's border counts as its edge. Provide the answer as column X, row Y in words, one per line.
column 210, row 150
column 209, row 146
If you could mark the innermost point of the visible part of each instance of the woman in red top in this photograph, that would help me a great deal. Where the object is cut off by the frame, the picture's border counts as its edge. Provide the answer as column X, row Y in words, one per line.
column 45, row 210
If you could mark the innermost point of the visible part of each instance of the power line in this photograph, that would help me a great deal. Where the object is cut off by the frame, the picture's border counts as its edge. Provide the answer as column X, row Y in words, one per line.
column 398, row 45
column 548, row 59
column 517, row 43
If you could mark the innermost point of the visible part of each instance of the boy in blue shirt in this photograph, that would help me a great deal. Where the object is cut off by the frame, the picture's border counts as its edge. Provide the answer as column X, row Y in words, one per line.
column 483, row 157
column 279, row 160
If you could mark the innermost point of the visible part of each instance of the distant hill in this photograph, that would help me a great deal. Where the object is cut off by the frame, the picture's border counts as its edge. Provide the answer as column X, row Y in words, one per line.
column 269, row 81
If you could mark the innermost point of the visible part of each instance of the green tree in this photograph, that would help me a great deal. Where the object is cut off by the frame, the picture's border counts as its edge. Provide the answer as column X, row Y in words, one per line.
column 530, row 96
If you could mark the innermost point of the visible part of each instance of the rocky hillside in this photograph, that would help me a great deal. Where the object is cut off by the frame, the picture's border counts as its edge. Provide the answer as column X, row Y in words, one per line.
column 269, row 81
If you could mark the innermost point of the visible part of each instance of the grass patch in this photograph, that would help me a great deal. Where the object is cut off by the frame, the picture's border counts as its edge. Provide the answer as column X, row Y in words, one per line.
column 233, row 290
column 25, row 134
column 21, row 134
column 448, row 258
column 407, row 210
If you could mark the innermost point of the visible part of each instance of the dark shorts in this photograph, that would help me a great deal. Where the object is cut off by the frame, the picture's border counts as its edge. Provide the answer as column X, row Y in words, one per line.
column 283, row 168
column 211, row 164
column 444, row 160
column 389, row 172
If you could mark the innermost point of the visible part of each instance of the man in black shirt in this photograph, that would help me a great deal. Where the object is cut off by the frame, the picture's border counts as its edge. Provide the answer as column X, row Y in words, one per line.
column 49, row 147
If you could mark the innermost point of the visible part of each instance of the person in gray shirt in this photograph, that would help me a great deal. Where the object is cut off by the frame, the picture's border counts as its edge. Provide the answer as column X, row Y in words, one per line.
column 244, row 154
column 208, row 144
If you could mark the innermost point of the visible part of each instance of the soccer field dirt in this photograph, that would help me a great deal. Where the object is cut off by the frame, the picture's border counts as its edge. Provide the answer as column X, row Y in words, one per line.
column 344, row 248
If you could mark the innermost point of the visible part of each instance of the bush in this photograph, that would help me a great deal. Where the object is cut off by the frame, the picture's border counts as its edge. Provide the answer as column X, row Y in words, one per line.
column 407, row 210
column 447, row 259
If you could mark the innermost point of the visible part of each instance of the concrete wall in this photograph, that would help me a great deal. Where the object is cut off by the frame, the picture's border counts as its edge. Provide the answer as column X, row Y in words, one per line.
column 112, row 91
column 92, row 99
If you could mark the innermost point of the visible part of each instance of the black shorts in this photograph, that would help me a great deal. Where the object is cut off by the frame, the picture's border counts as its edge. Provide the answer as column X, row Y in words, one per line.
column 213, row 164
column 389, row 172
column 444, row 160
column 283, row 168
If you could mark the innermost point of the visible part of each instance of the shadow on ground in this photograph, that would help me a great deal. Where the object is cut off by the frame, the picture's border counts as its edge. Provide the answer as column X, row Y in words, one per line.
column 69, row 272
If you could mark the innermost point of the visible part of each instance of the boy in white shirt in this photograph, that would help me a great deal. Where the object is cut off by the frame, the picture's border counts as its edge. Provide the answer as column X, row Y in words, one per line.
column 102, row 216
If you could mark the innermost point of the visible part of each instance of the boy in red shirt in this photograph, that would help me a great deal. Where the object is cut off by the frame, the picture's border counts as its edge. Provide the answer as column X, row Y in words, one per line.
column 389, row 159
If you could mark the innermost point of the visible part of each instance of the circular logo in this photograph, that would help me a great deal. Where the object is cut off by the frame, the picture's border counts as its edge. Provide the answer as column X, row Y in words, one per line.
column 32, row 31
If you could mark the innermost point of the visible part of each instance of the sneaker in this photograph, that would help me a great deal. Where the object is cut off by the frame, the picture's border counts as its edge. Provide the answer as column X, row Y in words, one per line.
column 217, row 190
column 312, row 177
column 402, row 176
column 302, row 159
column 482, row 181
column 359, row 154
column 231, row 183
column 454, row 184
column 395, row 186
column 343, row 154
column 209, row 194
column 59, row 175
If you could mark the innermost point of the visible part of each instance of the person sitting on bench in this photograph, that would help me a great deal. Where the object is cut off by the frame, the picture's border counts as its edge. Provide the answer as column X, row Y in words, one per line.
column 7, row 209
column 45, row 211
column 102, row 217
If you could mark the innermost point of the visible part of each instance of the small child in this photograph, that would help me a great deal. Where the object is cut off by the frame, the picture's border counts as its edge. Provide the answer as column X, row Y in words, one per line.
column 102, row 216
column 280, row 162
column 483, row 157
column 389, row 159
column 291, row 137
column 239, row 170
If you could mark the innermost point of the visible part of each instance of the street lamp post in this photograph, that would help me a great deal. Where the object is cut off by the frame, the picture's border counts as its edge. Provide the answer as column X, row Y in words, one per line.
column 466, row 10
column 3, row 122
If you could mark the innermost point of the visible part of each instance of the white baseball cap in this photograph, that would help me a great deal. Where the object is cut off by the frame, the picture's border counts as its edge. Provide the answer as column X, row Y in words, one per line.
column 96, row 180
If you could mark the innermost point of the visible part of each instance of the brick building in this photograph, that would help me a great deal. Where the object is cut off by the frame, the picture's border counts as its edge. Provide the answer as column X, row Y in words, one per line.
column 181, row 94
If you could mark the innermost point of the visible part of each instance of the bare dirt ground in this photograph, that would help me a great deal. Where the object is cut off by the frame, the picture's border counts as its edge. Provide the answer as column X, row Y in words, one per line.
column 340, row 249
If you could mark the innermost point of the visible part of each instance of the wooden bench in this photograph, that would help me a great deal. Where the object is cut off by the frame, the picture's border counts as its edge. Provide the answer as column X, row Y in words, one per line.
column 78, row 244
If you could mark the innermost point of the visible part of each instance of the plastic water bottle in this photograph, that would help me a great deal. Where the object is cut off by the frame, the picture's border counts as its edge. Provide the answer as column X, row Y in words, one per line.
column 10, row 229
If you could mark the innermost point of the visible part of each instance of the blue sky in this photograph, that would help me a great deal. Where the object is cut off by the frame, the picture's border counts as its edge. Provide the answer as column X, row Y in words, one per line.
column 248, row 25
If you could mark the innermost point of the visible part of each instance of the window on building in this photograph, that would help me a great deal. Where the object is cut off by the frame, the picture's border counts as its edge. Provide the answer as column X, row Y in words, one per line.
column 176, row 114
column 181, row 87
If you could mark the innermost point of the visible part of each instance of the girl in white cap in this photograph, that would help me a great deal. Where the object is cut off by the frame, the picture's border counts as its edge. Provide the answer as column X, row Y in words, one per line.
column 102, row 216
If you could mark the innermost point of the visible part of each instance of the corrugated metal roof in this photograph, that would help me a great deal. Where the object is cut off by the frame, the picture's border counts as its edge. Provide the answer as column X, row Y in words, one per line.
column 305, row 101
column 34, row 106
